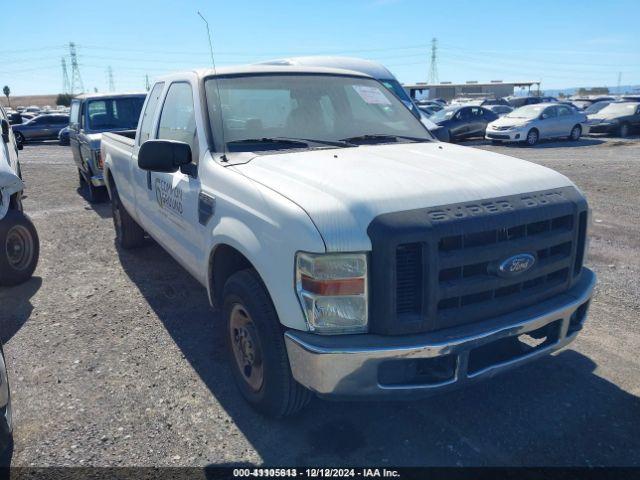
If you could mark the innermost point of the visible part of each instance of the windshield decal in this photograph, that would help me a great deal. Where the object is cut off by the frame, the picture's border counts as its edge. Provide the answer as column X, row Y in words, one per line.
column 371, row 95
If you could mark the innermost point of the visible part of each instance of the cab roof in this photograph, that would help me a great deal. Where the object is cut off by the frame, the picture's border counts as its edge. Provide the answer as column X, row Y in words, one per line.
column 90, row 96
column 261, row 69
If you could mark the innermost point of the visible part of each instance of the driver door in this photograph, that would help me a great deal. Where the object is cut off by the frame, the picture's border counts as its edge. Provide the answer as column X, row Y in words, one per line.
column 171, row 204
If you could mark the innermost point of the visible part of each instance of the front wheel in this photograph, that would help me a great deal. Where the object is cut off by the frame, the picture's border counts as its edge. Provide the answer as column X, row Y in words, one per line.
column 256, row 348
column 532, row 137
column 19, row 248
column 20, row 140
column 623, row 130
column 575, row 134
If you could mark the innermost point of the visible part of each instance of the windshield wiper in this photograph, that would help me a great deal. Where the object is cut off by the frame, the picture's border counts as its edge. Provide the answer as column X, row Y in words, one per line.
column 382, row 138
column 292, row 142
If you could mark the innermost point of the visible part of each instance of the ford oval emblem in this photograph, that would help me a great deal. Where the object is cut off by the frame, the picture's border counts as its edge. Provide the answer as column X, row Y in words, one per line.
column 516, row 265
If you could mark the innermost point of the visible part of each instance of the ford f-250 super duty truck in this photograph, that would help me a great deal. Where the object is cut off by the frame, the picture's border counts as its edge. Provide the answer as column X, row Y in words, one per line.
column 350, row 253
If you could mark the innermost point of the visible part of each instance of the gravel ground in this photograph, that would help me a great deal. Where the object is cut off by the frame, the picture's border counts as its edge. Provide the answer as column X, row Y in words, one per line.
column 115, row 359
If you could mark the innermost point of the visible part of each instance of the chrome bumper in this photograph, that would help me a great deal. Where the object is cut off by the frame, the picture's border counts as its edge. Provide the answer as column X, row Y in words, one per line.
column 97, row 180
column 349, row 365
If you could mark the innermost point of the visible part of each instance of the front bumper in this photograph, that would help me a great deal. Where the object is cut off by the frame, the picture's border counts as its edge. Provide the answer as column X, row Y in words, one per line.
column 513, row 135
column 602, row 128
column 353, row 366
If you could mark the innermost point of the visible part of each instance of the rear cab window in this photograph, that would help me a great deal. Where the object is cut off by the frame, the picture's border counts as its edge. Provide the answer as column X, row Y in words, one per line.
column 146, row 122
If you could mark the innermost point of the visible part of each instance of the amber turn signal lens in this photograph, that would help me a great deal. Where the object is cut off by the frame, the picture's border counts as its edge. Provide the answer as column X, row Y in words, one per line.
column 347, row 286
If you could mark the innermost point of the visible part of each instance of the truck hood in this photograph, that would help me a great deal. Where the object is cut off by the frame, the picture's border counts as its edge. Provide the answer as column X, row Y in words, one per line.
column 343, row 190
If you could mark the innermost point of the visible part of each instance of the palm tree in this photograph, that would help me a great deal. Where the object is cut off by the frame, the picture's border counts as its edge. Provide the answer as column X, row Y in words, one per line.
column 7, row 91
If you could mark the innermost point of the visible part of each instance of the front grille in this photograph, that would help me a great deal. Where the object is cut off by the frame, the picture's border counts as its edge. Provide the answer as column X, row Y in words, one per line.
column 446, row 260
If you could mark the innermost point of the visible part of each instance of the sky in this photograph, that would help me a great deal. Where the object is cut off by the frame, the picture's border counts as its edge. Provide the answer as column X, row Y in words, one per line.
column 561, row 43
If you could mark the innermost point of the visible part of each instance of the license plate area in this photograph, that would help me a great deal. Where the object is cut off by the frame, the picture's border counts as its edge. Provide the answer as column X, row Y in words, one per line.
column 506, row 350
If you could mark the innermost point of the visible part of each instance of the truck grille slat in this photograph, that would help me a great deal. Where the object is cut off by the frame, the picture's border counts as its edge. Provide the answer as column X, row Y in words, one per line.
column 446, row 271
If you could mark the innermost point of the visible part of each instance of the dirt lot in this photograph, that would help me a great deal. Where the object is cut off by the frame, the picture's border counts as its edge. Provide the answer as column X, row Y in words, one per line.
column 115, row 359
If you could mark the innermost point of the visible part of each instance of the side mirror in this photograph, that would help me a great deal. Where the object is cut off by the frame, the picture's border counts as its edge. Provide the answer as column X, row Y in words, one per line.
column 165, row 156
column 5, row 131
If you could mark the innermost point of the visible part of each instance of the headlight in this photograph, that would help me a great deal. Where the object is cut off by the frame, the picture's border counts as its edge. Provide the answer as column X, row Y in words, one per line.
column 332, row 289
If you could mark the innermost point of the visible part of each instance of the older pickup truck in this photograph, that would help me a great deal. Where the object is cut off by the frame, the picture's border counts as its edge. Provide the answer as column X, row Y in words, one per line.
column 91, row 115
column 350, row 253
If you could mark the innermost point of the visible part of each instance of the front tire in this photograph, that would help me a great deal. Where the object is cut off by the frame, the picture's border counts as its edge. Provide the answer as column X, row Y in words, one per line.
column 19, row 248
column 576, row 133
column 20, row 140
column 623, row 130
column 256, row 348
column 532, row 137
column 129, row 234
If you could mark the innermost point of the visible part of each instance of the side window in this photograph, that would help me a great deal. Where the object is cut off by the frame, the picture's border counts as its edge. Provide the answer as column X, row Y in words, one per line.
column 550, row 112
column 149, row 112
column 74, row 115
column 563, row 111
column 177, row 119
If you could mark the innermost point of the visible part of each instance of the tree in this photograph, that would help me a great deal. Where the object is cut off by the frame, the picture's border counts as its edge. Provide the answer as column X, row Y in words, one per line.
column 7, row 91
column 64, row 99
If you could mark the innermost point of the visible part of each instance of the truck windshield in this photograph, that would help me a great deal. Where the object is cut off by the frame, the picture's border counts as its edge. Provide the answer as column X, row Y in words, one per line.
column 318, row 110
column 114, row 113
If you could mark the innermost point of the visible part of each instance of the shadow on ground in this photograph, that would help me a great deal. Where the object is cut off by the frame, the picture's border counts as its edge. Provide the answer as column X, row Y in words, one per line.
column 556, row 411
column 16, row 307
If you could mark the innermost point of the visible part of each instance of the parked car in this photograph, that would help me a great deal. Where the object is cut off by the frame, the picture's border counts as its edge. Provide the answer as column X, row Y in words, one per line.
column 18, row 237
column 6, row 423
column 499, row 110
column 350, row 254
column 464, row 121
column 429, row 109
column 596, row 107
column 618, row 118
column 517, row 102
column 42, row 127
column 494, row 101
column 91, row 115
column 534, row 122
column 63, row 136
column 373, row 69
column 584, row 103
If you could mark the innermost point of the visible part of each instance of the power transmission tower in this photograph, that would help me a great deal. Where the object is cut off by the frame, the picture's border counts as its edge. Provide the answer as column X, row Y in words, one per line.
column 619, row 81
column 76, row 79
column 66, row 87
column 433, row 69
column 112, row 85
column 147, row 85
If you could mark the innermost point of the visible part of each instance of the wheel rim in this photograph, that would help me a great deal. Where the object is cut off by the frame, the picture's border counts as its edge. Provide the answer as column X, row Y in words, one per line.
column 246, row 347
column 532, row 137
column 624, row 130
column 19, row 247
column 575, row 133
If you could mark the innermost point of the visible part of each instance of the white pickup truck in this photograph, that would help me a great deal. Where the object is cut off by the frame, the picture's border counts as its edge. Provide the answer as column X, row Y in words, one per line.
column 351, row 254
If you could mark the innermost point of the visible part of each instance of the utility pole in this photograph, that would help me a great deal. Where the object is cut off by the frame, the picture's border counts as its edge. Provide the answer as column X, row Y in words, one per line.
column 112, row 85
column 66, row 87
column 147, row 85
column 76, row 79
column 433, row 69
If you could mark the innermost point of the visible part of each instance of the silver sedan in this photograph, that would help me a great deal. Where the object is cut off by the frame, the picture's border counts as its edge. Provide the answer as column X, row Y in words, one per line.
column 531, row 123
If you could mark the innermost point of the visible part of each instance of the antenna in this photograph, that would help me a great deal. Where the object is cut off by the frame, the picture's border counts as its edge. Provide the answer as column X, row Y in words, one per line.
column 215, row 73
